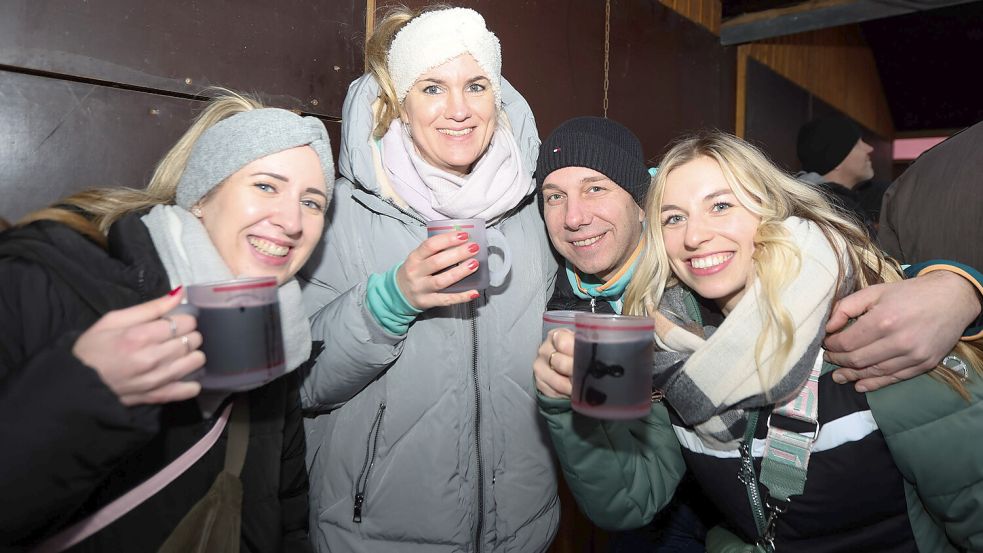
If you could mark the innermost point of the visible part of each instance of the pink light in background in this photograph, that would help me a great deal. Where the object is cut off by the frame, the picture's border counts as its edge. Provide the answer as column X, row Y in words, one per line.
column 911, row 148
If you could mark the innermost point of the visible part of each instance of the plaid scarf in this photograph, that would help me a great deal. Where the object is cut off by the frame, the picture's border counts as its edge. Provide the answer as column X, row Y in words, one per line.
column 710, row 375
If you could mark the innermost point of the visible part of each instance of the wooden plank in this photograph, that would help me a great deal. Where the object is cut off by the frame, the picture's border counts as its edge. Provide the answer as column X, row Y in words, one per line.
column 302, row 53
column 814, row 15
column 60, row 137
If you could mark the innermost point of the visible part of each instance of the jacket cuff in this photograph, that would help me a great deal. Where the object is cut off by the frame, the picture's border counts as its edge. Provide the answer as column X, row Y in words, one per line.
column 553, row 405
column 975, row 330
column 387, row 304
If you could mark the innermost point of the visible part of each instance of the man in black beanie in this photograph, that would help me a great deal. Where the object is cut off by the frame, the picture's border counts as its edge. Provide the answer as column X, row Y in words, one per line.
column 835, row 157
column 592, row 181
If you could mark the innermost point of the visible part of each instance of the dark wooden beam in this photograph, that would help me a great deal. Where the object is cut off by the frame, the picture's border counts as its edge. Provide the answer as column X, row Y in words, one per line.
column 818, row 14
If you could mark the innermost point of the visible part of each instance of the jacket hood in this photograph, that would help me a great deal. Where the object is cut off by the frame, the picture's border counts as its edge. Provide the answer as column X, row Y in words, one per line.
column 355, row 157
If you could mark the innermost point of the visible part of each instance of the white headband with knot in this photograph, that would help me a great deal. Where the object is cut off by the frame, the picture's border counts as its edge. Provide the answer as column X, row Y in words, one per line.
column 435, row 37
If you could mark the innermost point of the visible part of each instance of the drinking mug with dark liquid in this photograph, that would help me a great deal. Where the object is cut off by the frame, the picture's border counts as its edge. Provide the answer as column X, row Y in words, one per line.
column 483, row 277
column 612, row 365
column 239, row 321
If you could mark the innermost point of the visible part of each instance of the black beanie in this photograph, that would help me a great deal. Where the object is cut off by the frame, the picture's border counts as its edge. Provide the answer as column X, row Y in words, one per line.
column 600, row 144
column 825, row 142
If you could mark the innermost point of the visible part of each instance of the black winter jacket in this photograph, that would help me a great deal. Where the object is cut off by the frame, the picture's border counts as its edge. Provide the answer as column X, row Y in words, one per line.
column 71, row 446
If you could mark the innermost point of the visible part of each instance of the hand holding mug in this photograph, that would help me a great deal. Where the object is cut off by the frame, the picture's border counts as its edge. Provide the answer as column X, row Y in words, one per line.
column 438, row 262
column 142, row 354
column 553, row 366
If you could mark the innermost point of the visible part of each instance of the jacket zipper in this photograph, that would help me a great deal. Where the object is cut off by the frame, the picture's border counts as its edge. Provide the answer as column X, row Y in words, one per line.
column 370, row 451
column 477, row 422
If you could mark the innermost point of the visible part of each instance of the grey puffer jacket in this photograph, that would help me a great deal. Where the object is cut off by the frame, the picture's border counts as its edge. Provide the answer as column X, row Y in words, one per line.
column 427, row 442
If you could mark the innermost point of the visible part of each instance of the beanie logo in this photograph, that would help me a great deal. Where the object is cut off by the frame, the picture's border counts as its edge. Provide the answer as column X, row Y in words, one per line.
column 556, row 150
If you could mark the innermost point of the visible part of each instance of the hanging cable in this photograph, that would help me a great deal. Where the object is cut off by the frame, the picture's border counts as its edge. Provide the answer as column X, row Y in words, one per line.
column 607, row 51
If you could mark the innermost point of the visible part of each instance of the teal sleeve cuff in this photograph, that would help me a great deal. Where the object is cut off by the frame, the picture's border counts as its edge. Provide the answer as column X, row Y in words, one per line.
column 387, row 303
column 974, row 331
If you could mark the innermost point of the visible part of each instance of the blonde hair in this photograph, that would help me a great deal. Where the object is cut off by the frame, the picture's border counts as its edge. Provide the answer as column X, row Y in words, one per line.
column 387, row 107
column 773, row 196
column 91, row 212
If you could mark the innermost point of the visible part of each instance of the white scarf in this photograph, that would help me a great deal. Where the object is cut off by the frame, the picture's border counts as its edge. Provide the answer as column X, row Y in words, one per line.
column 190, row 257
column 496, row 184
column 710, row 375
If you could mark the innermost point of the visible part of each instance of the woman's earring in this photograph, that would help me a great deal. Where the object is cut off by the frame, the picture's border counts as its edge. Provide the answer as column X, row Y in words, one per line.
column 196, row 211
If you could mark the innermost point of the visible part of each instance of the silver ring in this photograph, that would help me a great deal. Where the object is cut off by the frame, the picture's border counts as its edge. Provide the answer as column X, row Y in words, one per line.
column 187, row 343
column 549, row 360
column 171, row 322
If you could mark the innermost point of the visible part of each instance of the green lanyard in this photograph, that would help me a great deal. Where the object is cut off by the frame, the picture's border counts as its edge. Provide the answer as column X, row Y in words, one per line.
column 785, row 462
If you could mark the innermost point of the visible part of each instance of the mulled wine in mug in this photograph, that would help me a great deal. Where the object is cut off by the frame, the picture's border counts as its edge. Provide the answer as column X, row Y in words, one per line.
column 485, row 238
column 239, row 321
column 612, row 365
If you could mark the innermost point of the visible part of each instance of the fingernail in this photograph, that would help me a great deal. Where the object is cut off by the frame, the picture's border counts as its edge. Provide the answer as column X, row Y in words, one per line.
column 473, row 248
column 475, row 295
column 462, row 236
column 175, row 291
column 839, row 378
column 861, row 388
column 472, row 265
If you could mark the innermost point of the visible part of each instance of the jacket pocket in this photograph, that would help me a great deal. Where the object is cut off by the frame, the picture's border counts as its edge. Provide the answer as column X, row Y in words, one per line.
column 371, row 445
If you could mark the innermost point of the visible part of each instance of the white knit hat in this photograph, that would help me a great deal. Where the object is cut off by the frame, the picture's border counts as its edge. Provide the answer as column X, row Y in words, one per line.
column 435, row 37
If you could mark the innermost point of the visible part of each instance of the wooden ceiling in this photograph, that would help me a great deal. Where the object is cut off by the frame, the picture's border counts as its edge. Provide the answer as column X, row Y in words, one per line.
column 929, row 53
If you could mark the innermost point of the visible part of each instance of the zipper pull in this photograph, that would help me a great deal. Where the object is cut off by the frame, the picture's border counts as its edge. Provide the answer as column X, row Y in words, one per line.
column 359, row 500
column 593, row 303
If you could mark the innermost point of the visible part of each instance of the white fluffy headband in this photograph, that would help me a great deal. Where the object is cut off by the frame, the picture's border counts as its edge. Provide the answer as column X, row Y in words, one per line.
column 435, row 37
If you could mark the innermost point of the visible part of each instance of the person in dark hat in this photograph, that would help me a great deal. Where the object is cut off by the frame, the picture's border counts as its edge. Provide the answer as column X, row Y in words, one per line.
column 835, row 157
column 593, row 180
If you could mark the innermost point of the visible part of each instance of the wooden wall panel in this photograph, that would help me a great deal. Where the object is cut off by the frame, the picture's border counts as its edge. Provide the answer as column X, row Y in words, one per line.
column 59, row 137
column 704, row 12
column 835, row 65
column 669, row 76
column 300, row 53
column 776, row 108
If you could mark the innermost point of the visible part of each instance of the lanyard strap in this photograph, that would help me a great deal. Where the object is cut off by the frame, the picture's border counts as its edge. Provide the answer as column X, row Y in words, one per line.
column 785, row 462
column 786, row 457
column 131, row 499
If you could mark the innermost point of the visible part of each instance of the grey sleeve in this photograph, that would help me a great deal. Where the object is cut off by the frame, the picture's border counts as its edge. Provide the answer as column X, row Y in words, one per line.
column 356, row 348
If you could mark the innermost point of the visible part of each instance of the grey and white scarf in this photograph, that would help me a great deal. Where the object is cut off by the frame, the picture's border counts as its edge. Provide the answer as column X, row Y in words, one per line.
column 710, row 375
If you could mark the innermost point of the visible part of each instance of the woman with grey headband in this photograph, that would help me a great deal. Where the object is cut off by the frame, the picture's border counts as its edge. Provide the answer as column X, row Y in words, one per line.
column 94, row 397
column 422, row 421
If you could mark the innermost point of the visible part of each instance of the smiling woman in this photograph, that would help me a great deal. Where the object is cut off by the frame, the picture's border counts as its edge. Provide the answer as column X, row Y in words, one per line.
column 87, row 324
column 432, row 387
column 266, row 218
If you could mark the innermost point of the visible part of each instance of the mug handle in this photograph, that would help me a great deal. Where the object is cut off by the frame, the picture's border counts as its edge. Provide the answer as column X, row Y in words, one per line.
column 496, row 238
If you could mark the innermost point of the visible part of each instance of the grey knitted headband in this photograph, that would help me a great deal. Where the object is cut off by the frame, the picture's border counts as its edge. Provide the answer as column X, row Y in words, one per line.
column 232, row 143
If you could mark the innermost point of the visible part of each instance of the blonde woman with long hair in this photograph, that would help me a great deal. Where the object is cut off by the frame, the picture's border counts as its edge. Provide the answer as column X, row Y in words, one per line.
column 742, row 266
column 97, row 385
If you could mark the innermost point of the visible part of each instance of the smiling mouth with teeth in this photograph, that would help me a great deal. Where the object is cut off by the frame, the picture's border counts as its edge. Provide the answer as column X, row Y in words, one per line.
column 710, row 260
column 452, row 132
column 586, row 242
column 268, row 248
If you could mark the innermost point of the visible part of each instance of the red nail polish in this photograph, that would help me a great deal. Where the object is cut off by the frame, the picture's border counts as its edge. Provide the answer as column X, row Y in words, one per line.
column 473, row 264
column 175, row 291
column 473, row 248
column 462, row 236
column 475, row 295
